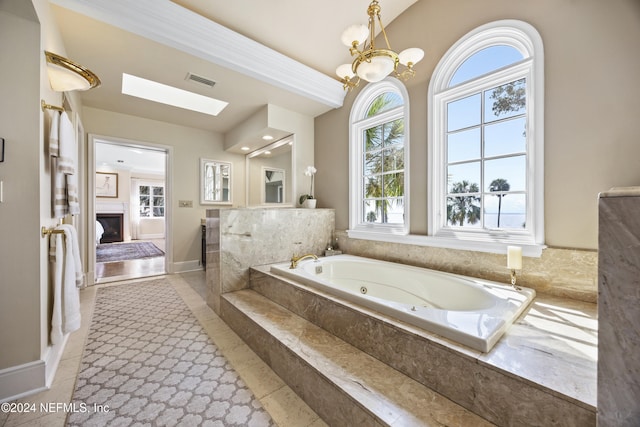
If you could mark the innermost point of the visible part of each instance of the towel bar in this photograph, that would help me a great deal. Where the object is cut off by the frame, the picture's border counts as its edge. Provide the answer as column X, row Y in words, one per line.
column 48, row 231
column 46, row 106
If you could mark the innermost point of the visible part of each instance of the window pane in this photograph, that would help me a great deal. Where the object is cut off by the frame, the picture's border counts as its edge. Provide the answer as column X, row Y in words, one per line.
column 463, row 145
column 464, row 178
column 158, row 201
column 394, row 159
column 509, row 171
column 464, row 113
column 372, row 211
column 373, row 163
column 373, row 186
column 485, row 61
column 463, row 211
column 144, row 201
column 506, row 137
column 159, row 212
column 158, row 191
column 505, row 211
column 394, row 132
column 373, row 138
column 384, row 102
column 144, row 190
column 394, row 211
column 505, row 101
column 393, row 184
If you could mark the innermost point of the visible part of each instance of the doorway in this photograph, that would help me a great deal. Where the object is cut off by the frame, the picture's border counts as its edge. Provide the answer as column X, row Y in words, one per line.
column 129, row 193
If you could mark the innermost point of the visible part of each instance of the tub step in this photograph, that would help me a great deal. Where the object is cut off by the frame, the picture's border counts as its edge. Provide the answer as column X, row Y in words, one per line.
column 344, row 385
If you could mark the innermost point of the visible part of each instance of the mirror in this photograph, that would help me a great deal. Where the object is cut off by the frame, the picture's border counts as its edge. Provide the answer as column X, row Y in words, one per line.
column 269, row 174
column 274, row 184
column 215, row 182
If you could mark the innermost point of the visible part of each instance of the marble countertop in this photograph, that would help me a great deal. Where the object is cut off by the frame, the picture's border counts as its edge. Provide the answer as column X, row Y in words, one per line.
column 621, row 192
column 553, row 344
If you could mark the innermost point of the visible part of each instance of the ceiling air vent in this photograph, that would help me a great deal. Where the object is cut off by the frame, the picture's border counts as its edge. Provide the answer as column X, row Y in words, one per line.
column 199, row 79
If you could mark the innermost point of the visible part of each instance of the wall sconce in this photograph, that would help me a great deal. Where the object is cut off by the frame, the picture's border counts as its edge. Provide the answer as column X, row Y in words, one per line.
column 66, row 75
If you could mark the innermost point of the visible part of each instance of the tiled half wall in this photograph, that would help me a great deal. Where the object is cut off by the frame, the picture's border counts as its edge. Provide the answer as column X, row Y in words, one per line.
column 240, row 238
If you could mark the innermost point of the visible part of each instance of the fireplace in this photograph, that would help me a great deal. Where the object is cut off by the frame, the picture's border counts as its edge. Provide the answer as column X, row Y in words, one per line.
column 112, row 224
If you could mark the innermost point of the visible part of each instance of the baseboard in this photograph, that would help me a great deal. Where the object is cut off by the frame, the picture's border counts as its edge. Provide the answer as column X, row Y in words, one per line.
column 150, row 236
column 52, row 359
column 183, row 267
column 22, row 380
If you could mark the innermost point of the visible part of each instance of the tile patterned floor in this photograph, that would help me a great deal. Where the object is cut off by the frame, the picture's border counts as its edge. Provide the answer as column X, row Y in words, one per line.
column 282, row 404
column 148, row 360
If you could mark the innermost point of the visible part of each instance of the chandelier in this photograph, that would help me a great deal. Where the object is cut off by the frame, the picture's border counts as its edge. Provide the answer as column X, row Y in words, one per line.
column 373, row 64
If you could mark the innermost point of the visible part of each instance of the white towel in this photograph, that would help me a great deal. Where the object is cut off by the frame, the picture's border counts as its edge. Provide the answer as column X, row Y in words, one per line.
column 58, row 181
column 56, row 254
column 67, row 276
column 68, row 162
column 54, row 147
column 63, row 167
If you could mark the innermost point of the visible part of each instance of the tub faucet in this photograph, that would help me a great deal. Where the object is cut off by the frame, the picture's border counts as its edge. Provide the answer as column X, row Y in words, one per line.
column 295, row 260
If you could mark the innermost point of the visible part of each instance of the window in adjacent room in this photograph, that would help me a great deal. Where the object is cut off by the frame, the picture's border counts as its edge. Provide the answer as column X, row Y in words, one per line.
column 151, row 201
column 486, row 138
column 378, row 159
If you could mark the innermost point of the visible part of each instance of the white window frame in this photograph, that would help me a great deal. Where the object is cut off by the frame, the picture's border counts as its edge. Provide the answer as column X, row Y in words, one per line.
column 527, row 41
column 151, row 185
column 358, row 123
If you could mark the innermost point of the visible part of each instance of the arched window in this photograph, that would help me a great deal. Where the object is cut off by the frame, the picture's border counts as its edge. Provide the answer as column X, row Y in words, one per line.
column 486, row 146
column 378, row 156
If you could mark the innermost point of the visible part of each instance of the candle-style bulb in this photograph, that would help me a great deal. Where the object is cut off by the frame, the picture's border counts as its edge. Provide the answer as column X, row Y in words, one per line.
column 514, row 257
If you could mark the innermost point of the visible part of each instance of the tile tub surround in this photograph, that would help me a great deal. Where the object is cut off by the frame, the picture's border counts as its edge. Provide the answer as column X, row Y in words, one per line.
column 619, row 308
column 542, row 372
column 568, row 273
column 238, row 239
column 344, row 385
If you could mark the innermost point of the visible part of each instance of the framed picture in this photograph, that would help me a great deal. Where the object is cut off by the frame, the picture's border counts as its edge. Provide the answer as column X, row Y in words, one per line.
column 106, row 184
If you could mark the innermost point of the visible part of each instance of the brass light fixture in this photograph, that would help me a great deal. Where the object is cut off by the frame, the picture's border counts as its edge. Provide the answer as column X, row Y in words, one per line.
column 66, row 75
column 373, row 64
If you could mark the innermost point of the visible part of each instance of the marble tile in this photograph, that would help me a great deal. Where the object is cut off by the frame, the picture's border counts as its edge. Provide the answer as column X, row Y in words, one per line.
column 238, row 239
column 566, row 273
column 546, row 360
column 619, row 308
column 286, row 409
column 341, row 383
column 256, row 374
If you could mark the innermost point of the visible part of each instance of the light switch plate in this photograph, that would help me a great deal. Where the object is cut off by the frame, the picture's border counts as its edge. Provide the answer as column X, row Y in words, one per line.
column 185, row 203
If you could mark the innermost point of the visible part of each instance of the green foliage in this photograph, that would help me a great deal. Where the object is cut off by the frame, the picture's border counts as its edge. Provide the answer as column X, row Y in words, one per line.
column 510, row 97
column 499, row 184
column 464, row 207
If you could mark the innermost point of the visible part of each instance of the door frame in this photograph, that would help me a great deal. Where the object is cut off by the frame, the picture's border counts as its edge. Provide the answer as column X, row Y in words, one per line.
column 91, row 197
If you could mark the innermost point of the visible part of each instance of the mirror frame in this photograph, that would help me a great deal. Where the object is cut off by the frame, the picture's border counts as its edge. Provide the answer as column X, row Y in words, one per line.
column 203, row 179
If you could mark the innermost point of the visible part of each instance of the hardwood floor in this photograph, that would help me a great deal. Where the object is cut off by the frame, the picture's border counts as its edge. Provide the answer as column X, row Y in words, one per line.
column 131, row 269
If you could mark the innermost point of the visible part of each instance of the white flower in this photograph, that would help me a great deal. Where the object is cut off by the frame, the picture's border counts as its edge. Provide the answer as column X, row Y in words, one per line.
column 310, row 171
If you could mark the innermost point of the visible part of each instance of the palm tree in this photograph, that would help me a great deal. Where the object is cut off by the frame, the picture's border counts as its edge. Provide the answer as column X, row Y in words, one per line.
column 379, row 184
column 461, row 208
column 499, row 184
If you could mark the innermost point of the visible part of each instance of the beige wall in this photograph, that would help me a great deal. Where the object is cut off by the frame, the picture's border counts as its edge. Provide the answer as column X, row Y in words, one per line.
column 20, row 210
column 592, row 105
column 189, row 145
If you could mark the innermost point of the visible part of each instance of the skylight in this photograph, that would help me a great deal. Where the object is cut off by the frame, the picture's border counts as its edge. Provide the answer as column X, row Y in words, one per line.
column 158, row 92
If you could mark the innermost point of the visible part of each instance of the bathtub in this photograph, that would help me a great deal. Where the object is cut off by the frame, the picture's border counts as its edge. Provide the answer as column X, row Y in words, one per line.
column 469, row 311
